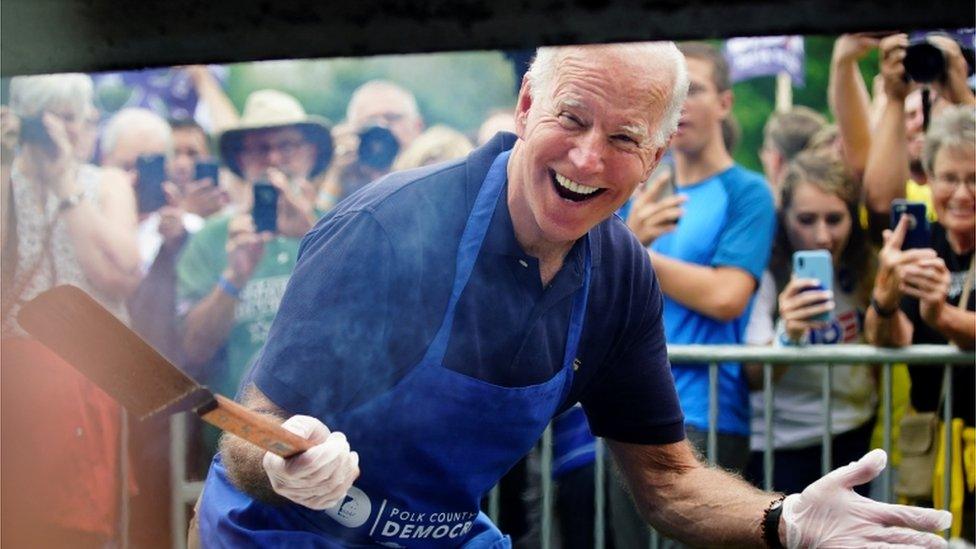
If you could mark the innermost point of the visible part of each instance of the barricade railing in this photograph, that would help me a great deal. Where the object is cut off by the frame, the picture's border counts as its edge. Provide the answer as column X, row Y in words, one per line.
column 185, row 492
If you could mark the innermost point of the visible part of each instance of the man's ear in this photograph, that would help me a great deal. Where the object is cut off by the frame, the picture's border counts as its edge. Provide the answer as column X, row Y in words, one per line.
column 523, row 106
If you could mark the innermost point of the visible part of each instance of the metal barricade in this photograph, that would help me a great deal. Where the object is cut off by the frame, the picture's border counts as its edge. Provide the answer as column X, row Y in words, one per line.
column 186, row 492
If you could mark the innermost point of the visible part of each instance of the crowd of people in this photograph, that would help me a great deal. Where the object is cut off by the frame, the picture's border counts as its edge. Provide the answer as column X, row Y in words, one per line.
column 198, row 261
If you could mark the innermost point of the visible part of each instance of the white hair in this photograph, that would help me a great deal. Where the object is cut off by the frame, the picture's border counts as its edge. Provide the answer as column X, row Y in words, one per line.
column 30, row 95
column 135, row 119
column 381, row 86
column 544, row 67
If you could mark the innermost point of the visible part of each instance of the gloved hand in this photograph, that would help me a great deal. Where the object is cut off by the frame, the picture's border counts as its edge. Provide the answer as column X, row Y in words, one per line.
column 319, row 477
column 828, row 513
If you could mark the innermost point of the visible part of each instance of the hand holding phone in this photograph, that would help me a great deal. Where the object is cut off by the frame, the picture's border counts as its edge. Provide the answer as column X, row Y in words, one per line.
column 808, row 298
column 657, row 209
column 265, row 209
column 918, row 235
column 149, row 186
column 207, row 169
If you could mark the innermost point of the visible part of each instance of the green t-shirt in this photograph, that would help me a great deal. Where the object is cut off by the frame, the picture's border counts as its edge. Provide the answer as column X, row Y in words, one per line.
column 199, row 269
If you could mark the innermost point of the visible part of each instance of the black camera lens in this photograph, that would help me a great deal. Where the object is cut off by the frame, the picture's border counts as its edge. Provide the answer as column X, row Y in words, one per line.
column 924, row 62
column 378, row 147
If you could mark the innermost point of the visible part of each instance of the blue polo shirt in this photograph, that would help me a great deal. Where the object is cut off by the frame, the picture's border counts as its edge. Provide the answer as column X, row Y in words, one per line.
column 729, row 220
column 372, row 283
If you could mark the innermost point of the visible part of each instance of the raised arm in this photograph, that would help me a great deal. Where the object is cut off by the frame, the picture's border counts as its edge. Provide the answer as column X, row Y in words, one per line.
column 222, row 111
column 848, row 97
column 209, row 321
column 887, row 169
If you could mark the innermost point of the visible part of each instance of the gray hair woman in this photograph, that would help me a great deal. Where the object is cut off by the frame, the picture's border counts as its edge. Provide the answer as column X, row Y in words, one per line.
column 64, row 221
column 926, row 295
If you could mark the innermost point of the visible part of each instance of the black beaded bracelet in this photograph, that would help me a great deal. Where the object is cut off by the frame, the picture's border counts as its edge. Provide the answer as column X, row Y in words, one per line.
column 770, row 523
column 883, row 313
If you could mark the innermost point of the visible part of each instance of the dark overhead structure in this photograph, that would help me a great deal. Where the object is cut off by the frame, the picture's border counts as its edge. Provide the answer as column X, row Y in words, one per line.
column 89, row 35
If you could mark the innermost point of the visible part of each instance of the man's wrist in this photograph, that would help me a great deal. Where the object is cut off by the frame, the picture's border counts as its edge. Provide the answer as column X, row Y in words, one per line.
column 230, row 284
column 773, row 528
column 883, row 306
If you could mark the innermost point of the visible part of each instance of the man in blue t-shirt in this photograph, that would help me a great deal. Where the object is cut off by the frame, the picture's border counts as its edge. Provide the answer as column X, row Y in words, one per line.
column 709, row 244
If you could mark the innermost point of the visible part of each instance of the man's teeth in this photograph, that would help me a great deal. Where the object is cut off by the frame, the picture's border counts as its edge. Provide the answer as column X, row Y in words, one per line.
column 575, row 187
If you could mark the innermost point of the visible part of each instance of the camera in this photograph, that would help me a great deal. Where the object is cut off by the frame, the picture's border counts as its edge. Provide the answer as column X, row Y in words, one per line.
column 378, row 147
column 925, row 63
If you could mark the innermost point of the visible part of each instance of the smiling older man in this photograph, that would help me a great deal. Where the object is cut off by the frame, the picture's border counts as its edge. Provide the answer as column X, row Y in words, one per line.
column 438, row 320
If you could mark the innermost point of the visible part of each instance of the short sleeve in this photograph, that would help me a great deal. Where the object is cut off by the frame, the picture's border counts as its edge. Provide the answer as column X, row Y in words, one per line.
column 200, row 265
column 747, row 239
column 760, row 330
column 327, row 349
column 633, row 399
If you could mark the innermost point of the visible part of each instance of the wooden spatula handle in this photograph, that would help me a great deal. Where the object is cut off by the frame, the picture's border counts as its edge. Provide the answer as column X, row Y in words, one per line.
column 255, row 428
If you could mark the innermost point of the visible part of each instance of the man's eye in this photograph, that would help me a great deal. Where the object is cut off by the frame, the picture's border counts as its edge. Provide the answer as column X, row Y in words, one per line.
column 570, row 120
column 626, row 139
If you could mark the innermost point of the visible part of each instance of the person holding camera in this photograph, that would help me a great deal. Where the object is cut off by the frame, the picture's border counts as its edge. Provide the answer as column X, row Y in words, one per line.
column 382, row 120
column 233, row 272
column 64, row 222
column 911, row 86
column 925, row 295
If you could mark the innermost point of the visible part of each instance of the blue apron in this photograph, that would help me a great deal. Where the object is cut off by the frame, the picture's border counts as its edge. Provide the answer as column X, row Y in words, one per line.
column 430, row 447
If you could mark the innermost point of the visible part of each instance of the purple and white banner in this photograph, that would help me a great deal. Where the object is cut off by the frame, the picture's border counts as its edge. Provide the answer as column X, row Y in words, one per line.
column 766, row 56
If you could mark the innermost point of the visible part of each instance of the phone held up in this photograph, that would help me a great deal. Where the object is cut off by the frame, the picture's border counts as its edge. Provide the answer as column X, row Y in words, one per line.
column 33, row 132
column 664, row 167
column 265, row 210
column 918, row 224
column 207, row 169
column 149, row 187
column 816, row 264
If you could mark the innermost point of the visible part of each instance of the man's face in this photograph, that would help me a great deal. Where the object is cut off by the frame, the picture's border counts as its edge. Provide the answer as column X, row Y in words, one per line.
column 285, row 149
column 389, row 109
column 914, row 130
column 132, row 144
column 189, row 146
column 703, row 111
column 585, row 145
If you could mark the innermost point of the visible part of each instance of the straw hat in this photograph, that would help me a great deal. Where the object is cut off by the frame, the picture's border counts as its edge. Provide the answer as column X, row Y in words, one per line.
column 268, row 109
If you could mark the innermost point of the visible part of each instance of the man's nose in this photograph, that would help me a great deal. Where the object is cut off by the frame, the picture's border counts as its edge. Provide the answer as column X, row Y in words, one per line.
column 587, row 153
column 274, row 158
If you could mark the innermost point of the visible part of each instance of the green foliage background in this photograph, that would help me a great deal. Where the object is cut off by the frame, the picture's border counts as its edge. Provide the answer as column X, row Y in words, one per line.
column 459, row 89
column 755, row 99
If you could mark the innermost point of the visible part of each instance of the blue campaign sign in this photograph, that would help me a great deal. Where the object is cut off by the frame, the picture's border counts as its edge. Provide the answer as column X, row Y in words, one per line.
column 766, row 56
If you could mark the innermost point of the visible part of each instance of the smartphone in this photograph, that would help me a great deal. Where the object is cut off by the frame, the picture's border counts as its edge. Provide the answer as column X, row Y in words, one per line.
column 666, row 165
column 205, row 169
column 918, row 223
column 815, row 264
column 265, row 210
column 32, row 131
column 149, row 187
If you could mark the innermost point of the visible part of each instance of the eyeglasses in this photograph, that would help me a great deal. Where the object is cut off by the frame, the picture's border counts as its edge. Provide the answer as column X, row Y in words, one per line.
column 950, row 181
column 285, row 148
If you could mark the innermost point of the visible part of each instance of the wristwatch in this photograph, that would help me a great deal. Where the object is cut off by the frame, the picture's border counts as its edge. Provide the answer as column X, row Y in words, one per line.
column 883, row 313
column 770, row 523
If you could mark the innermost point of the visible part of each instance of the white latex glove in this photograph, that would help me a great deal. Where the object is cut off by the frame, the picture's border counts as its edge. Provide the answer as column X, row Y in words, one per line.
column 828, row 513
column 319, row 477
